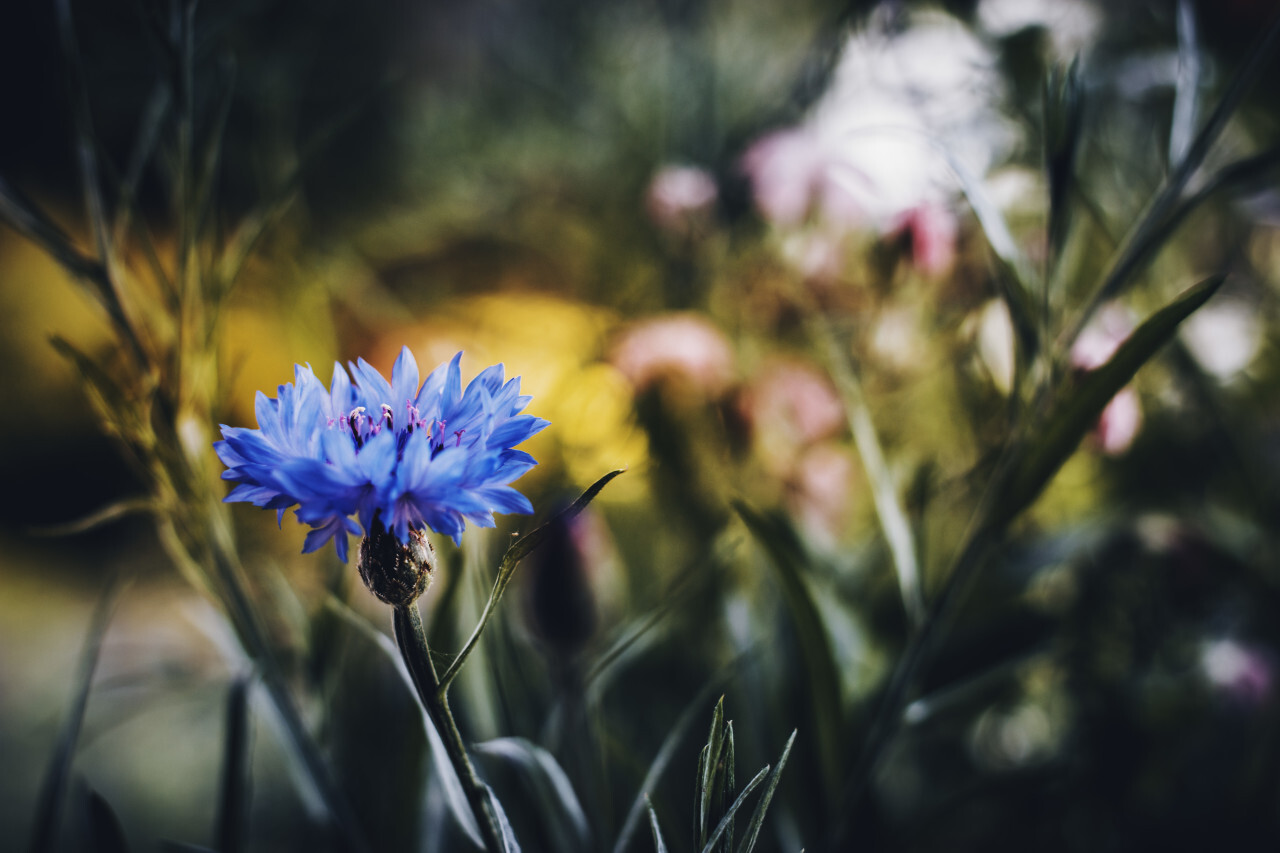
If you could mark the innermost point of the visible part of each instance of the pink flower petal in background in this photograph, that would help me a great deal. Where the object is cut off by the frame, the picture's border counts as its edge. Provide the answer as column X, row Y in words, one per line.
column 682, row 345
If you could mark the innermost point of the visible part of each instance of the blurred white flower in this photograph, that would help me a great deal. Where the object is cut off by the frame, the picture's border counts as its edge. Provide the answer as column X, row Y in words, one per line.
column 993, row 329
column 1099, row 340
column 1223, row 337
column 1071, row 25
column 876, row 145
column 1239, row 671
column 897, row 340
column 679, row 197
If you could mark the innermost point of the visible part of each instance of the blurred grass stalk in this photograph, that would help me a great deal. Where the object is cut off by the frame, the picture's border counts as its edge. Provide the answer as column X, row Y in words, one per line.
column 155, row 393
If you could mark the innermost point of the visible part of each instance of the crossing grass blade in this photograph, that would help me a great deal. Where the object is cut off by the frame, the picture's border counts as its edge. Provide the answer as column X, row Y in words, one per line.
column 727, row 820
column 757, row 817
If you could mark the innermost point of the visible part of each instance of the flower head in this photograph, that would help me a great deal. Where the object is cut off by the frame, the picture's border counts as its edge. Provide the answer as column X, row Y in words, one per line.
column 395, row 455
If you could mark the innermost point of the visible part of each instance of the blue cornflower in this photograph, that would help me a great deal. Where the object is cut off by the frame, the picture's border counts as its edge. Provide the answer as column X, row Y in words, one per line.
column 395, row 455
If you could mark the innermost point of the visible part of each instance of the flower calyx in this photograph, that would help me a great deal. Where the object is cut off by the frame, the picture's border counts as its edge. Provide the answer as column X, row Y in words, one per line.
column 394, row 571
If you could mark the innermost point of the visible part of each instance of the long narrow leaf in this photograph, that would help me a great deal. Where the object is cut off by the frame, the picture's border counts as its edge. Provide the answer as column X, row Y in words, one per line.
column 1069, row 420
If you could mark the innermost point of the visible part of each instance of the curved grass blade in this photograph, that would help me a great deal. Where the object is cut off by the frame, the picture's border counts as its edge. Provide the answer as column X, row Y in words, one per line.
column 659, row 845
column 509, row 843
column 551, row 791
column 757, row 817
column 507, row 568
column 48, row 809
column 727, row 820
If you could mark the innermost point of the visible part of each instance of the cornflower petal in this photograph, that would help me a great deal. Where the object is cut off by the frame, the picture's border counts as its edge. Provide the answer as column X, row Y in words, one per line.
column 392, row 454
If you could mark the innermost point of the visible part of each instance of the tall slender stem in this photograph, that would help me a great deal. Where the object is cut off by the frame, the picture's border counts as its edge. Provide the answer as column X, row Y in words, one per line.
column 412, row 641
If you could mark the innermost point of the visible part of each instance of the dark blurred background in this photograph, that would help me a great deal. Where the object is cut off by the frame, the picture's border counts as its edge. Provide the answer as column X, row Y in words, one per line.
column 638, row 206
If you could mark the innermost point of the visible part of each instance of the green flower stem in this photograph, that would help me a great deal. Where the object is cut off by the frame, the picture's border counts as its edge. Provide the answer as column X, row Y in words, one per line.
column 412, row 641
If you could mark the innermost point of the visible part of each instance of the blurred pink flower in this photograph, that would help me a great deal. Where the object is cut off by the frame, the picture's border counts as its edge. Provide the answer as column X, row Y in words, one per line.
column 1101, row 338
column 820, row 492
column 681, row 345
column 791, row 404
column 932, row 229
column 791, row 171
column 679, row 197
column 1120, row 421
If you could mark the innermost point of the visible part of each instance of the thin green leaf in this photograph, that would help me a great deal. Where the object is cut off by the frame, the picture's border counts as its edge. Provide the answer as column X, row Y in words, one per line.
column 709, row 847
column 757, row 817
column 1075, row 413
column 48, row 808
column 107, row 514
column 659, row 845
column 232, row 822
column 660, row 761
column 506, row 569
